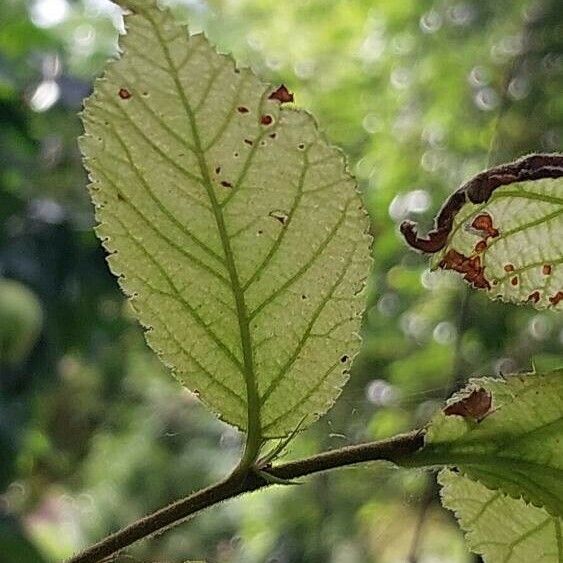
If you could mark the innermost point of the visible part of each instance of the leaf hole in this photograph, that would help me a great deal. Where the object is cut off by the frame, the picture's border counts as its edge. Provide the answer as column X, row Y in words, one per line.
column 280, row 216
column 124, row 94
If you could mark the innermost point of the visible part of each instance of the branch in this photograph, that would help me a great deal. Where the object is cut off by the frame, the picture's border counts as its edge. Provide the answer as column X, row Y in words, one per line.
column 394, row 449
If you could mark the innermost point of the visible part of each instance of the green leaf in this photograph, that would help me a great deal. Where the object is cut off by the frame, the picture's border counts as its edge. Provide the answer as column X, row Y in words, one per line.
column 502, row 231
column 514, row 445
column 501, row 528
column 232, row 225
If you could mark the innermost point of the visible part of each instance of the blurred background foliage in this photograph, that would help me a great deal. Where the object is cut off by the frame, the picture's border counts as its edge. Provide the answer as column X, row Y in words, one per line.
column 94, row 432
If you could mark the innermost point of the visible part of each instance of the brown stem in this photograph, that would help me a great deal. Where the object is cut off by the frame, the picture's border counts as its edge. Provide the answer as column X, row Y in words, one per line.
column 393, row 449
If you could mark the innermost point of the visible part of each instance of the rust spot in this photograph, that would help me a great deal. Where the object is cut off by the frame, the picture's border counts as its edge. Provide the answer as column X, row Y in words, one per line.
column 514, row 280
column 266, row 119
column 218, row 170
column 481, row 246
column 249, row 142
column 556, row 298
column 484, row 223
column 282, row 94
column 243, row 109
column 475, row 405
column 470, row 267
column 226, row 184
column 546, row 270
column 508, row 268
column 279, row 216
column 534, row 297
column 124, row 94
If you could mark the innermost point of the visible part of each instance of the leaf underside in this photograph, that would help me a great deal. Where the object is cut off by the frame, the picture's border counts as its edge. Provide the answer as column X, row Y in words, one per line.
column 232, row 225
column 500, row 528
column 516, row 447
column 503, row 232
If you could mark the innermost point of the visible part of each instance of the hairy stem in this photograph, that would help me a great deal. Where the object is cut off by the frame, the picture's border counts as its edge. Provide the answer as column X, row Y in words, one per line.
column 394, row 449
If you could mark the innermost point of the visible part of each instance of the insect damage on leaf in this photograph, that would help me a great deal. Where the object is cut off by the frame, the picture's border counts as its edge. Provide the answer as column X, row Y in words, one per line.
column 475, row 405
column 502, row 231
column 282, row 95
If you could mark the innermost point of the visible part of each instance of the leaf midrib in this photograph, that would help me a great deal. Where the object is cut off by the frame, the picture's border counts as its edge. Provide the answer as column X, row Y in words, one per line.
column 253, row 402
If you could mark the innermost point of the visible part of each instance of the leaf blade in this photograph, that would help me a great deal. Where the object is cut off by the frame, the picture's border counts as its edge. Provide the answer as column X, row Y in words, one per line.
column 232, row 225
column 484, row 514
column 516, row 448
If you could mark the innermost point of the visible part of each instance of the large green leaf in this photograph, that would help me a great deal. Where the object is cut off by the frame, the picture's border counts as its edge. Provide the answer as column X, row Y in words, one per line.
column 507, row 433
column 232, row 225
column 500, row 528
column 503, row 231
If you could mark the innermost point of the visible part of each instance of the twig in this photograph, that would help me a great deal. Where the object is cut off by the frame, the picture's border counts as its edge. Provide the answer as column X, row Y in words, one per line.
column 394, row 450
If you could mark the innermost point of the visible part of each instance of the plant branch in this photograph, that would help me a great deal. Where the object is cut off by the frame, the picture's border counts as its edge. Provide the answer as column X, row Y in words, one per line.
column 393, row 449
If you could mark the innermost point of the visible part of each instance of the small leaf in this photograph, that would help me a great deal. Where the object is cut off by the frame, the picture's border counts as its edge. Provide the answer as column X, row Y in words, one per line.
column 503, row 232
column 514, row 447
column 501, row 528
column 232, row 225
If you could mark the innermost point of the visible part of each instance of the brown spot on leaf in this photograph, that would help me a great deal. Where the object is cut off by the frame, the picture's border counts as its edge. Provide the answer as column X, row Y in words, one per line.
column 344, row 359
column 282, row 94
column 279, row 216
column 475, row 405
column 218, row 170
column 266, row 119
column 124, row 94
column 243, row 109
column 301, row 146
column 514, row 280
column 120, row 197
column 249, row 142
column 546, row 269
column 484, row 223
column 534, row 297
column 273, row 135
column 557, row 298
column 509, row 268
column 469, row 266
column 481, row 246
column 226, row 184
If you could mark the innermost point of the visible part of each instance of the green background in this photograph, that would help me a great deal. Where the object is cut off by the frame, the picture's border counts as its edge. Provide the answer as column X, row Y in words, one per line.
column 94, row 433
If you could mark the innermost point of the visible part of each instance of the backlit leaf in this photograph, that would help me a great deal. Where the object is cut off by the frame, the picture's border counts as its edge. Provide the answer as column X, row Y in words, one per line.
column 503, row 231
column 501, row 528
column 232, row 225
column 514, row 445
